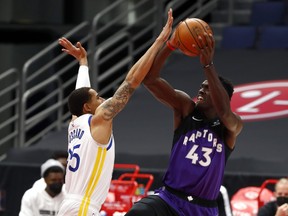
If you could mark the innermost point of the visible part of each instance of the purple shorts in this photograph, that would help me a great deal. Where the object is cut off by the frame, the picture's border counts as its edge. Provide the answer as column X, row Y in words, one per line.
column 185, row 208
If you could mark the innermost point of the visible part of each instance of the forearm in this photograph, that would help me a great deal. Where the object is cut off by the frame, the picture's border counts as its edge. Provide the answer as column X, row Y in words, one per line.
column 143, row 65
column 83, row 61
column 158, row 64
column 83, row 79
column 218, row 93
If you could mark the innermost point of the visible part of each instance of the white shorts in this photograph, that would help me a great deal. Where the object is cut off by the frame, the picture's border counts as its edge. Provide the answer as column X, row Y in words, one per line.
column 71, row 204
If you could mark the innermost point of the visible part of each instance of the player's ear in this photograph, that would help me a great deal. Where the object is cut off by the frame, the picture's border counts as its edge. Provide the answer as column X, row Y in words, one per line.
column 86, row 108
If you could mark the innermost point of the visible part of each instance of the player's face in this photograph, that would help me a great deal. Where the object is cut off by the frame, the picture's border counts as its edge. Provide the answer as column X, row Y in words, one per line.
column 203, row 97
column 95, row 100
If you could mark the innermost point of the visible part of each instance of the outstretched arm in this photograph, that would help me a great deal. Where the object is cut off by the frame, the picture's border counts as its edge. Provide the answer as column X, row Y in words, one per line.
column 101, row 124
column 219, row 95
column 177, row 100
column 137, row 73
column 79, row 53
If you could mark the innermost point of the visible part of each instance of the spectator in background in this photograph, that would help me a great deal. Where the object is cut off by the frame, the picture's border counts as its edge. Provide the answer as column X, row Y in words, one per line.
column 46, row 201
column 279, row 207
column 60, row 156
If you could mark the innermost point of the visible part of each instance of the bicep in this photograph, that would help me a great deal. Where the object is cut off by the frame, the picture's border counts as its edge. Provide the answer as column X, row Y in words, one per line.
column 234, row 125
column 111, row 107
column 101, row 126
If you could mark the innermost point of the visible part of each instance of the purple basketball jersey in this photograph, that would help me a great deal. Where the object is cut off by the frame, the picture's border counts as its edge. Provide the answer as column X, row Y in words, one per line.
column 198, row 158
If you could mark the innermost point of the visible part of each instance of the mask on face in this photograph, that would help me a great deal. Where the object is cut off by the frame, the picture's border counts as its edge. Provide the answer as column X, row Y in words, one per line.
column 56, row 187
column 281, row 200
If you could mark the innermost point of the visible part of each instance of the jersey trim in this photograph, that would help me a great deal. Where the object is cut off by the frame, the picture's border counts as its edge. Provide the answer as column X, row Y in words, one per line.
column 110, row 144
column 89, row 120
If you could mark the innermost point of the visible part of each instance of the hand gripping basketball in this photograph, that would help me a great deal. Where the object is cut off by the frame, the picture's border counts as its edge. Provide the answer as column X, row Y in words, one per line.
column 187, row 35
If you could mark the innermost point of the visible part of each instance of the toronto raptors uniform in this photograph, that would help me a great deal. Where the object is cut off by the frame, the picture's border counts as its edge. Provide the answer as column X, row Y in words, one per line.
column 89, row 170
column 196, row 167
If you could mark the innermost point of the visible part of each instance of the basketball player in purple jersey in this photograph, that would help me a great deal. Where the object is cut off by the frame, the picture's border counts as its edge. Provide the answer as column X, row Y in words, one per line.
column 205, row 133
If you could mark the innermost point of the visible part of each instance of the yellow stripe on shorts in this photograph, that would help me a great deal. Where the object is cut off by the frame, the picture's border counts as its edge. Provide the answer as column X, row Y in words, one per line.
column 94, row 178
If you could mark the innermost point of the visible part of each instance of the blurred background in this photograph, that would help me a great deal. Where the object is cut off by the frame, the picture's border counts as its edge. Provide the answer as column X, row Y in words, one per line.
column 36, row 79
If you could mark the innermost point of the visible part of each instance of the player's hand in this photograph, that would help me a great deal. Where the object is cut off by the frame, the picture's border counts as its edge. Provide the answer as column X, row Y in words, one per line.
column 206, row 48
column 173, row 41
column 167, row 29
column 77, row 51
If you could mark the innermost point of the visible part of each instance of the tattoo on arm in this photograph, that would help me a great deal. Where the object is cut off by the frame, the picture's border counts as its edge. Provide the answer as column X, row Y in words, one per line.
column 118, row 101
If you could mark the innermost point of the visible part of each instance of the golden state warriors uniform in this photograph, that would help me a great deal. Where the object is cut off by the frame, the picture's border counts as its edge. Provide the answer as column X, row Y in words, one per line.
column 89, row 170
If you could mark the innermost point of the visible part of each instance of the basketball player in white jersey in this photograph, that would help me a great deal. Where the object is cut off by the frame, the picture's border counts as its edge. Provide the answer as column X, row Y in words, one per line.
column 90, row 134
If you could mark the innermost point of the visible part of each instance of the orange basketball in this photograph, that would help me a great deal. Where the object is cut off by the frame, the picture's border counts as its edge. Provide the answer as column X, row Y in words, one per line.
column 187, row 33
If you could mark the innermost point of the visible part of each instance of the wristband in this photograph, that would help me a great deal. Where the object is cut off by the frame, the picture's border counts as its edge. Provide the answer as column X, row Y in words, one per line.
column 170, row 46
column 208, row 65
column 83, row 79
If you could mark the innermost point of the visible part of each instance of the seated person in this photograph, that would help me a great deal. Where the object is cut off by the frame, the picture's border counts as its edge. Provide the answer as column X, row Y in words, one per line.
column 279, row 207
column 61, row 156
column 36, row 202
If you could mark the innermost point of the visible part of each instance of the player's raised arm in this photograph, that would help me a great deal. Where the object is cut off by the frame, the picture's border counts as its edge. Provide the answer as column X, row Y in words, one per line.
column 79, row 53
column 135, row 76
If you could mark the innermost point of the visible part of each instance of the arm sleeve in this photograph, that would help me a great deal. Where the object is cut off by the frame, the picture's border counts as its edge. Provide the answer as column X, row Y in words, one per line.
column 83, row 79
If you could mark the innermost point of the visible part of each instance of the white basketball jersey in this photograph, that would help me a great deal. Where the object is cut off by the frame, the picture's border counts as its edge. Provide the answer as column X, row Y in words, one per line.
column 90, row 164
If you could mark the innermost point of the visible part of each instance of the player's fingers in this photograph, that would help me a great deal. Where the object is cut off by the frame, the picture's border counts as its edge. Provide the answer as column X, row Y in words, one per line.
column 210, row 39
column 66, row 51
column 196, row 47
column 169, row 19
column 66, row 42
column 201, row 42
column 78, row 45
column 62, row 42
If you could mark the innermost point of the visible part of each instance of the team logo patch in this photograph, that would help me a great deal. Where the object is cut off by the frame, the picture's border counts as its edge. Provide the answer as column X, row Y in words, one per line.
column 261, row 100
